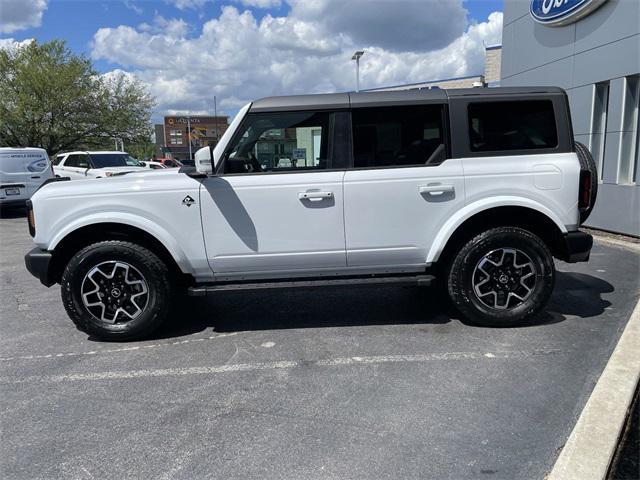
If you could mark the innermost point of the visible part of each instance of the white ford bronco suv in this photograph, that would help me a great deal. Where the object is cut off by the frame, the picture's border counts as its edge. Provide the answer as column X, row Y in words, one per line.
column 477, row 189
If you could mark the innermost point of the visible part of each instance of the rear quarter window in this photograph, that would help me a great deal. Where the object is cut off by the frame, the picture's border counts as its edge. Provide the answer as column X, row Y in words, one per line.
column 512, row 125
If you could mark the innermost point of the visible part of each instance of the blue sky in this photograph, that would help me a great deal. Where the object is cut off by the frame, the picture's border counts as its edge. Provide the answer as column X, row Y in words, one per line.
column 186, row 50
column 76, row 21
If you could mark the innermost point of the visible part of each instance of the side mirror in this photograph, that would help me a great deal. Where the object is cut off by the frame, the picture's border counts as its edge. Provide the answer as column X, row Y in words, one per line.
column 204, row 160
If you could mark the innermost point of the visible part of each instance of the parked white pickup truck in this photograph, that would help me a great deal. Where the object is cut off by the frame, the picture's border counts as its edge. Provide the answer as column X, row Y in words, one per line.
column 476, row 189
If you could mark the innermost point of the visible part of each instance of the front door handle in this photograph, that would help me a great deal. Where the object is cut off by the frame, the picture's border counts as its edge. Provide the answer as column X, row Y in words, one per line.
column 314, row 196
column 437, row 189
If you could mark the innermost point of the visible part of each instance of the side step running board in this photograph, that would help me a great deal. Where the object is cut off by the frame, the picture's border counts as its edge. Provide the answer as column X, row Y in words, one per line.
column 413, row 280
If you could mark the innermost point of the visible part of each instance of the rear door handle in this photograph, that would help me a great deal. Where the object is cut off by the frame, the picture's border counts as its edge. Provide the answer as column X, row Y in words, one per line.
column 314, row 196
column 437, row 189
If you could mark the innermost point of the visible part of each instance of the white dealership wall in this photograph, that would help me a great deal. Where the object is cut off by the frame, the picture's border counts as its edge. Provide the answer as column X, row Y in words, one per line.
column 597, row 53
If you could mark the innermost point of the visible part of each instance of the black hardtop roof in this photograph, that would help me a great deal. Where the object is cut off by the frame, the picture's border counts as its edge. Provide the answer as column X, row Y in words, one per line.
column 326, row 101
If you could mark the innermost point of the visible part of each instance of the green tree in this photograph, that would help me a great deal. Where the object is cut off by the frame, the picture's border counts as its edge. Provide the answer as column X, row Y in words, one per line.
column 54, row 99
column 141, row 151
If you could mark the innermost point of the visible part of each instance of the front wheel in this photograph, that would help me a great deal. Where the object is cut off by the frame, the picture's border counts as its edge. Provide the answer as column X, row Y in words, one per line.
column 502, row 277
column 116, row 290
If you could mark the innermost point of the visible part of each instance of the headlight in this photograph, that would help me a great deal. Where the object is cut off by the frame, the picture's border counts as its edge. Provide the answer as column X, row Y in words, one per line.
column 108, row 174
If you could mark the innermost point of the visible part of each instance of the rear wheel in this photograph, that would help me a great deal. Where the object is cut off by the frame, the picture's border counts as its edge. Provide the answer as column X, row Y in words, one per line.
column 116, row 290
column 502, row 277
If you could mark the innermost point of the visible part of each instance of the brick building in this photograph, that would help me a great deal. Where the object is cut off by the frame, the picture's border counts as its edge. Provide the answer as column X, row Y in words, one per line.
column 176, row 133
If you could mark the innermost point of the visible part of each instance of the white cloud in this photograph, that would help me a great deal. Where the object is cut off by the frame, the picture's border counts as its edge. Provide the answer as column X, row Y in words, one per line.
column 261, row 3
column 396, row 25
column 185, row 4
column 199, row 4
column 20, row 14
column 239, row 58
column 133, row 7
column 10, row 43
column 175, row 27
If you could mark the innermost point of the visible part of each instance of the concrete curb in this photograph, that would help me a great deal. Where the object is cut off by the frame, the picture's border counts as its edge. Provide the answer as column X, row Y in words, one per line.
column 592, row 444
column 635, row 247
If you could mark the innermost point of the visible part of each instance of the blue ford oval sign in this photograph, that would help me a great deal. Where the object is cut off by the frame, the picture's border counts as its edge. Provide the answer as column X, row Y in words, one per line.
column 562, row 12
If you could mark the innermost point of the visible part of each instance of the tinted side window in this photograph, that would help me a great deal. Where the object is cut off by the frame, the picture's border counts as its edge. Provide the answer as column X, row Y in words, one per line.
column 83, row 161
column 520, row 125
column 57, row 160
column 398, row 136
column 71, row 161
column 275, row 142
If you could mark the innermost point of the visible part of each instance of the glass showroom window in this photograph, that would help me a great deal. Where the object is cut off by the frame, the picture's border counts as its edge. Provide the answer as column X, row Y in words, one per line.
column 599, row 124
column 629, row 134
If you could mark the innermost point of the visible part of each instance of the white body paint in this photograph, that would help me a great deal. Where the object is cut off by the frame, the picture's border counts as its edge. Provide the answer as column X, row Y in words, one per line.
column 262, row 226
column 22, row 171
column 63, row 169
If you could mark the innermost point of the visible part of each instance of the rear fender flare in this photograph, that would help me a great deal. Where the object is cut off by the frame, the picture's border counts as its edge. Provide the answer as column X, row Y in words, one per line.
column 462, row 215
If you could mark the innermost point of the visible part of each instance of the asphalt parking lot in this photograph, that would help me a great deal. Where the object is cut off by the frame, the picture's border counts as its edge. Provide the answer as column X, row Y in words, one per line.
column 335, row 383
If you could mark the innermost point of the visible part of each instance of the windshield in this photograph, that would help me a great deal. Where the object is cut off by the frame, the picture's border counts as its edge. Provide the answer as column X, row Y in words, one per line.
column 102, row 160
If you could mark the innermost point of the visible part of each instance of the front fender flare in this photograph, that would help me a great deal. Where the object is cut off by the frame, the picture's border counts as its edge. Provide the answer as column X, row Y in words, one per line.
column 133, row 220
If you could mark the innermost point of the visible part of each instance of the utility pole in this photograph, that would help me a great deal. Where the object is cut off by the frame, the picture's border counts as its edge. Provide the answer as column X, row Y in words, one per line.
column 215, row 116
column 164, row 134
column 189, row 136
column 356, row 56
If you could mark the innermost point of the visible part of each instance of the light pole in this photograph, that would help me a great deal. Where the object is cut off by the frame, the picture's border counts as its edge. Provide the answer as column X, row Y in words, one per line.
column 356, row 57
column 215, row 116
column 189, row 136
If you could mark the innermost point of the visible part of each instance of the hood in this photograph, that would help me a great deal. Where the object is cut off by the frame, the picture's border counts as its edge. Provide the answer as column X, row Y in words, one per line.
column 119, row 169
column 140, row 180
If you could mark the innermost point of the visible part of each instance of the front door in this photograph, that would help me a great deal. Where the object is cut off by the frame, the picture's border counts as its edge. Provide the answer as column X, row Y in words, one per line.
column 275, row 209
column 402, row 188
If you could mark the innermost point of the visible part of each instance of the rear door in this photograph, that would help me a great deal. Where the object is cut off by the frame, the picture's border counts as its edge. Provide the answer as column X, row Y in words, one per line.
column 402, row 187
column 37, row 170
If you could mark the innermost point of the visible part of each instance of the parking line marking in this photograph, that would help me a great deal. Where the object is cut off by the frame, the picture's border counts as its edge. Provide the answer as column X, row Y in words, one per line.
column 115, row 350
column 276, row 365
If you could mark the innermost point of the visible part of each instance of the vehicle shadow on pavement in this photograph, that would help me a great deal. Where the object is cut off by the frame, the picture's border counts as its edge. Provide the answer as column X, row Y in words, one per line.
column 575, row 294
column 310, row 308
column 578, row 294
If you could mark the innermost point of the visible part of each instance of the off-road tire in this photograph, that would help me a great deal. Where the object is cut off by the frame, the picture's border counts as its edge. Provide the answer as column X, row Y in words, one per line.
column 587, row 163
column 154, row 270
column 460, row 277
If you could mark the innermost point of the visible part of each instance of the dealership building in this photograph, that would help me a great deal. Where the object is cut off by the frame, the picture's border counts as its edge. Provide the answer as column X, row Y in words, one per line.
column 592, row 50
